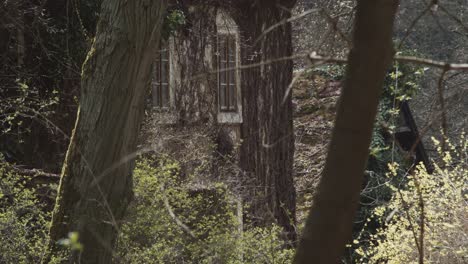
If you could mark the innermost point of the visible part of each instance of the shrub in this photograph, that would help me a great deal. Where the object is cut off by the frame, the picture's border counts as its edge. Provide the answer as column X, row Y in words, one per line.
column 436, row 202
column 171, row 220
column 23, row 220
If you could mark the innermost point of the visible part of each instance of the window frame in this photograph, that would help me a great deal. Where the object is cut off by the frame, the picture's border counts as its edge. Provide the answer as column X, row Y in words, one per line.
column 164, row 101
column 229, row 89
column 226, row 25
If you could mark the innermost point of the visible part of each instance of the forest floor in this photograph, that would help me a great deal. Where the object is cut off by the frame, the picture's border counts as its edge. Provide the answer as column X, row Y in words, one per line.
column 314, row 100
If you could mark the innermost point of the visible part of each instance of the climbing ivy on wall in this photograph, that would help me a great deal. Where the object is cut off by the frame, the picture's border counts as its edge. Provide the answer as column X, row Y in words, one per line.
column 174, row 20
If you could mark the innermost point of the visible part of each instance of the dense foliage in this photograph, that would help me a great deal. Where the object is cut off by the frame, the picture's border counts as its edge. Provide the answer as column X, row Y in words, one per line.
column 400, row 86
column 23, row 219
column 426, row 216
column 173, row 221
column 169, row 221
column 42, row 48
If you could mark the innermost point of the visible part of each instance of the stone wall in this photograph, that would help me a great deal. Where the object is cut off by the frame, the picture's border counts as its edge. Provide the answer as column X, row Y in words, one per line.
column 192, row 130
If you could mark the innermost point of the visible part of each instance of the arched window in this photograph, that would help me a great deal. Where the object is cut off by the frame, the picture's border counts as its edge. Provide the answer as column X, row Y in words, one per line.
column 227, row 64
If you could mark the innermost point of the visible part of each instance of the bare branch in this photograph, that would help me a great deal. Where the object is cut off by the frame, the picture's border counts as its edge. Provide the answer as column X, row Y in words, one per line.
column 285, row 21
column 36, row 174
column 179, row 223
column 313, row 57
column 455, row 18
column 413, row 24
column 333, row 21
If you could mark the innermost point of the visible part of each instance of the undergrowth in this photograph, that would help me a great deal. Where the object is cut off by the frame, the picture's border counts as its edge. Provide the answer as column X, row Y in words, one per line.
column 172, row 221
column 24, row 219
column 426, row 217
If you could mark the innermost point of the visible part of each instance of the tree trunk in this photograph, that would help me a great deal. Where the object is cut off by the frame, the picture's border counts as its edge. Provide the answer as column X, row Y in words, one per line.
column 267, row 131
column 96, row 183
column 328, row 227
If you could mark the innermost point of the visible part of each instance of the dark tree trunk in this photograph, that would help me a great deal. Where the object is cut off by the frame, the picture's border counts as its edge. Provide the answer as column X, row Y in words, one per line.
column 329, row 224
column 267, row 131
column 96, row 184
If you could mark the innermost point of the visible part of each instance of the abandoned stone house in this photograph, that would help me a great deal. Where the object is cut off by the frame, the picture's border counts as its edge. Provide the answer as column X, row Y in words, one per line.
column 198, row 114
column 196, row 76
column 194, row 109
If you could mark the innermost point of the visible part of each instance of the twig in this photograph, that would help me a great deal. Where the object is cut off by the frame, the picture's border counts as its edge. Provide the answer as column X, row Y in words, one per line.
column 442, row 107
column 406, row 209
column 183, row 226
column 453, row 17
column 285, row 21
column 333, row 21
column 413, row 24
column 315, row 58
column 437, row 64
column 422, row 220
column 35, row 176
column 408, row 59
column 35, row 173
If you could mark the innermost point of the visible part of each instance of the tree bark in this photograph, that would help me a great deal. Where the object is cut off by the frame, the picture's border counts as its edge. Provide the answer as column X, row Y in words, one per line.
column 267, row 148
column 96, row 182
column 329, row 224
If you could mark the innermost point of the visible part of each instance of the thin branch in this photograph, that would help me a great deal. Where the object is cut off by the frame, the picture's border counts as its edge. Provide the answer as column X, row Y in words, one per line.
column 406, row 208
column 285, row 21
column 425, row 129
column 440, row 91
column 455, row 18
column 333, row 21
column 179, row 223
column 433, row 63
column 313, row 57
column 422, row 220
column 291, row 85
column 413, row 24
column 36, row 174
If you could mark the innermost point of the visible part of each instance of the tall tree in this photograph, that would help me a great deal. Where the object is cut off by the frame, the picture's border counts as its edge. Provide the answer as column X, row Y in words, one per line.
column 329, row 223
column 267, row 131
column 96, row 182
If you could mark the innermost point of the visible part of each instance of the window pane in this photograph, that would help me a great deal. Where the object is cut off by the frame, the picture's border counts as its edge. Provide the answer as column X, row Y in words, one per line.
column 165, row 95
column 222, row 96
column 232, row 72
column 165, row 80
column 156, row 95
column 232, row 97
column 154, row 90
column 227, row 87
column 163, row 73
column 221, row 73
column 161, row 78
column 156, row 82
column 231, row 89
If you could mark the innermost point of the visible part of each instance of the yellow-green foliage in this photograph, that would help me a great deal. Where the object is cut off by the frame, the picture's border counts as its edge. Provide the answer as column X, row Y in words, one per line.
column 444, row 198
column 173, row 221
column 169, row 221
column 23, row 220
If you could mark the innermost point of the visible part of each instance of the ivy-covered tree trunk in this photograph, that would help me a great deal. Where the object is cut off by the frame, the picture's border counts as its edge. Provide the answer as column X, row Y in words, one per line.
column 96, row 183
column 329, row 224
column 267, row 131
